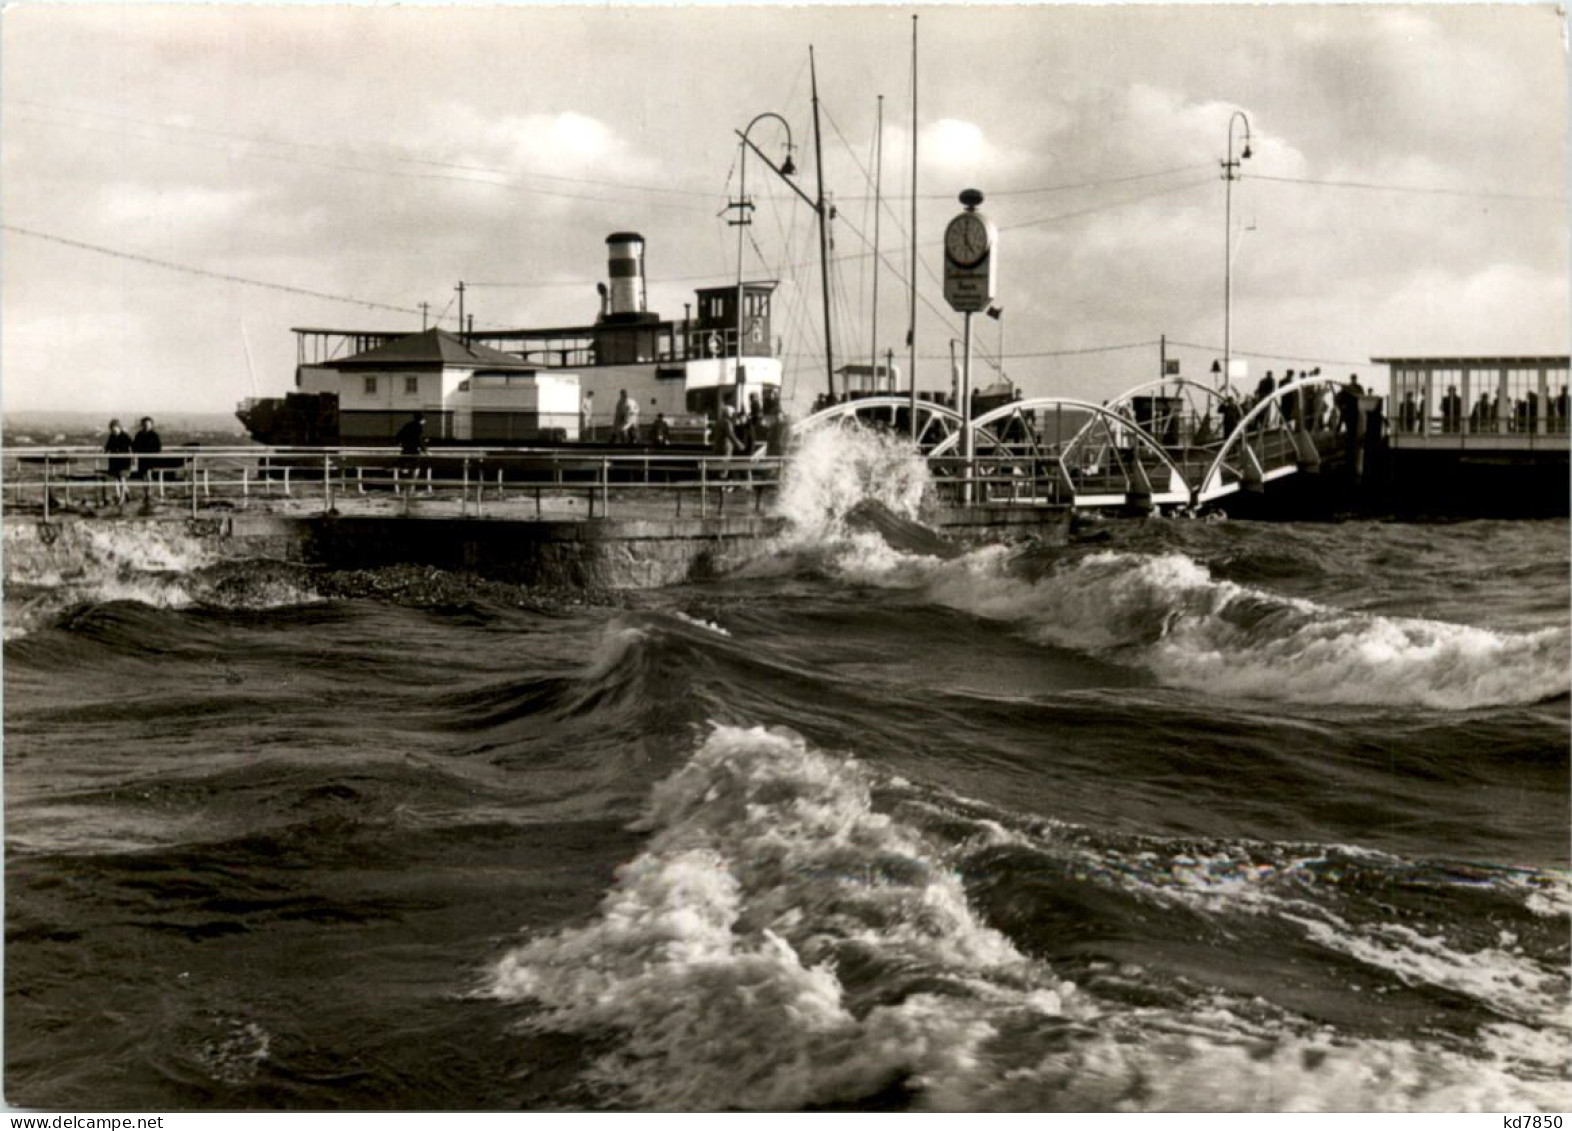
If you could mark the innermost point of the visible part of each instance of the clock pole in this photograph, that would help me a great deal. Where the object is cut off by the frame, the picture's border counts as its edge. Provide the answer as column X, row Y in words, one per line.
column 970, row 277
column 968, row 438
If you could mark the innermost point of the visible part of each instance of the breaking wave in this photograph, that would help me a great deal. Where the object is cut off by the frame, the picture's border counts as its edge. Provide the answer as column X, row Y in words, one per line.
column 1167, row 614
column 1163, row 612
column 835, row 470
column 49, row 570
column 791, row 937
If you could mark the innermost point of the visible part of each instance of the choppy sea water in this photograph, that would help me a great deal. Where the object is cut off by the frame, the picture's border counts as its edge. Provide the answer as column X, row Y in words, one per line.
column 1184, row 817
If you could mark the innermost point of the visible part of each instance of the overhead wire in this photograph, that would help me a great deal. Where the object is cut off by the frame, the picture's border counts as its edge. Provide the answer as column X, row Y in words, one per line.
column 341, row 148
column 509, row 185
column 1425, row 190
column 1243, row 351
column 203, row 272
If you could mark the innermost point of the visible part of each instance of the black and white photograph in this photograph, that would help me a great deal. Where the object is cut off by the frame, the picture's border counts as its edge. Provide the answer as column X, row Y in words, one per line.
column 805, row 559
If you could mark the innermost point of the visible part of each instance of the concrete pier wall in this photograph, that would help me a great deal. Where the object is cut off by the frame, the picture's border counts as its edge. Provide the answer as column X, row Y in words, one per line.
column 614, row 553
column 607, row 554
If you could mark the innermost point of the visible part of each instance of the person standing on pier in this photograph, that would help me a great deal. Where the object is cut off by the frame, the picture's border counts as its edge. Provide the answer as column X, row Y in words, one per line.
column 586, row 415
column 1288, row 403
column 411, row 440
column 1231, row 414
column 631, row 432
column 725, row 439
column 118, row 445
column 622, row 418
column 146, row 443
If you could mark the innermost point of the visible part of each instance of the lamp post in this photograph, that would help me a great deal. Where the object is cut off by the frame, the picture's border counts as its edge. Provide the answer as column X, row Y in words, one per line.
column 1230, row 175
column 744, row 206
column 997, row 314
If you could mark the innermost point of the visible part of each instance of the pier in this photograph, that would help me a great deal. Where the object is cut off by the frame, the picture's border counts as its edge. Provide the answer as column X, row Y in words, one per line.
column 558, row 517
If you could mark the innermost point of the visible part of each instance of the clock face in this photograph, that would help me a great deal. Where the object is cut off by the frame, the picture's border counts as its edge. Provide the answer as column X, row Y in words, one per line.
column 966, row 240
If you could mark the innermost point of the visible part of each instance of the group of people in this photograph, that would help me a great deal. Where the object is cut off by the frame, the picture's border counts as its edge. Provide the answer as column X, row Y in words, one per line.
column 1300, row 409
column 625, row 421
column 1487, row 414
column 121, row 447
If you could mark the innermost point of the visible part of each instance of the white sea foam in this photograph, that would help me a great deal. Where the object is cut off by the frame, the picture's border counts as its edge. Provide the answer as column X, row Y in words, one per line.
column 833, row 470
column 1167, row 614
column 86, row 550
column 780, row 943
column 1151, row 1070
column 720, row 951
column 1164, row 612
column 157, row 564
column 699, row 622
column 1507, row 982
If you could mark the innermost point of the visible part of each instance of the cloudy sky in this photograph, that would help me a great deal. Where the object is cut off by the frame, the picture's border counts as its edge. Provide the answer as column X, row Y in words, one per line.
column 182, row 185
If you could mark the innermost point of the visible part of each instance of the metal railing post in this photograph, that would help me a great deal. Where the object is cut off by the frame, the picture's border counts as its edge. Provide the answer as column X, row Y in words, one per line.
column 46, row 488
column 704, row 486
column 327, row 484
column 605, row 488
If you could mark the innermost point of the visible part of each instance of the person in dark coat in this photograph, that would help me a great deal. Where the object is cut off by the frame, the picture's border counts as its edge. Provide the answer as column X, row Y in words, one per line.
column 146, row 443
column 1288, row 403
column 1264, row 388
column 411, row 438
column 411, row 441
column 725, row 440
column 119, row 447
column 1231, row 413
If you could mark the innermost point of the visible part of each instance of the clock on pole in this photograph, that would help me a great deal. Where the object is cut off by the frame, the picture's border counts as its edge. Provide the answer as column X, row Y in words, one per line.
column 970, row 266
column 970, row 275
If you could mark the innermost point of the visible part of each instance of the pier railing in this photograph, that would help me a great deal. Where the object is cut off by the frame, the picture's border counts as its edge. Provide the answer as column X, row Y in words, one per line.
column 523, row 483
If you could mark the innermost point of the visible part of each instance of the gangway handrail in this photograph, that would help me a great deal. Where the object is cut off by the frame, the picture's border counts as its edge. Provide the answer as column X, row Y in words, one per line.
column 1140, row 434
column 1211, row 485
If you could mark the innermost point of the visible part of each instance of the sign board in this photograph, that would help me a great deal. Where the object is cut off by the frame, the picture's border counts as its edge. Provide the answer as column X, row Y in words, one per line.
column 1238, row 368
column 967, row 293
column 1171, row 367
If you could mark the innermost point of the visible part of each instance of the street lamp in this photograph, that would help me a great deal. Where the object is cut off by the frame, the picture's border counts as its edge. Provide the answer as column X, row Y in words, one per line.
column 997, row 314
column 1230, row 175
column 744, row 206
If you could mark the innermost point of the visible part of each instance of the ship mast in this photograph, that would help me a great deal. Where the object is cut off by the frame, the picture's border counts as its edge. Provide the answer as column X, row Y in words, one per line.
column 911, row 332
column 878, row 178
column 824, row 246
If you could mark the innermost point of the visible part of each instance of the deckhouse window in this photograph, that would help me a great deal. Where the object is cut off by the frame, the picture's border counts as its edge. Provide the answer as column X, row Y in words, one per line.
column 411, row 386
column 371, row 386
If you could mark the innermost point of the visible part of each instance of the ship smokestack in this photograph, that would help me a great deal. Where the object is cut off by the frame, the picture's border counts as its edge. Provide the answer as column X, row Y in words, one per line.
column 625, row 264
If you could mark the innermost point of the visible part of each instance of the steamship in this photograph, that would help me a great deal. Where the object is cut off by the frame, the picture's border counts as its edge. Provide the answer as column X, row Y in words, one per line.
column 527, row 387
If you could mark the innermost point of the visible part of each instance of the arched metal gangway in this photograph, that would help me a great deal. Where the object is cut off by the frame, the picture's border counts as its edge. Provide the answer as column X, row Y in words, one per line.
column 1185, row 416
column 1063, row 450
column 1145, row 448
column 1293, row 430
column 936, row 423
